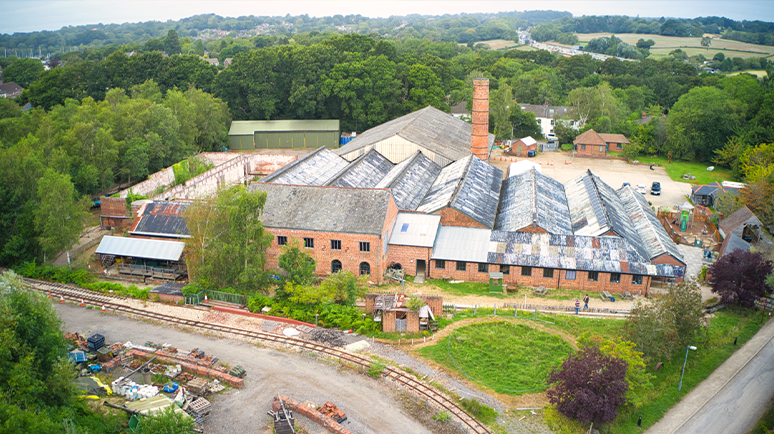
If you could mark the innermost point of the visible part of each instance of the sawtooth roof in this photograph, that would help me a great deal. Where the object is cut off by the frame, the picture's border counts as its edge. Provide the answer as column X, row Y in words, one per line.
column 653, row 236
column 410, row 180
column 162, row 219
column 316, row 168
column 429, row 128
column 365, row 172
column 533, row 198
column 324, row 209
column 470, row 186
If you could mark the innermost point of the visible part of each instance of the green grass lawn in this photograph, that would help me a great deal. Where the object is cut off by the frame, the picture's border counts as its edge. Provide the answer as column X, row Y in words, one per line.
column 466, row 288
column 510, row 358
column 677, row 168
column 712, row 352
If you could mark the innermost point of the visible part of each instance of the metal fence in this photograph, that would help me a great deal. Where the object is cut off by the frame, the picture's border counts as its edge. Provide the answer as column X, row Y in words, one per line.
column 226, row 297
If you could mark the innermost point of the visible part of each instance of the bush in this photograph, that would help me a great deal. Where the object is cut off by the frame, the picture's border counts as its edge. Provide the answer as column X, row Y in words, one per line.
column 443, row 416
column 567, row 147
column 376, row 368
column 329, row 314
column 78, row 276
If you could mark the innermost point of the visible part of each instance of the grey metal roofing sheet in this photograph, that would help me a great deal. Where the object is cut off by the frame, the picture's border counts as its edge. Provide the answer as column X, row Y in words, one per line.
column 455, row 243
column 533, row 198
column 573, row 252
column 429, row 128
column 470, row 186
column 316, row 168
column 141, row 248
column 617, row 215
column 734, row 243
column 411, row 180
column 652, row 234
column 241, row 128
column 162, row 219
column 365, row 172
column 415, row 229
column 587, row 213
column 325, row 209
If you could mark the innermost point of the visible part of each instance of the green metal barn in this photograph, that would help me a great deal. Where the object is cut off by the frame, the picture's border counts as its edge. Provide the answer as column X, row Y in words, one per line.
column 291, row 134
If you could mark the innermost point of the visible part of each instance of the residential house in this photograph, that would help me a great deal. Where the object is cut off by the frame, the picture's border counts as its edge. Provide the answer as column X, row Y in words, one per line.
column 548, row 115
column 594, row 144
column 10, row 90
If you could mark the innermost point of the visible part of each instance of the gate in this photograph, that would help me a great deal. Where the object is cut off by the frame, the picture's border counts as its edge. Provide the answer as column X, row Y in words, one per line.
column 400, row 325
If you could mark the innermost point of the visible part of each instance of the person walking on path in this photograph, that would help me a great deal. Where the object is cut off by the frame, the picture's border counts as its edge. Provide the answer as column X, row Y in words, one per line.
column 586, row 302
column 577, row 306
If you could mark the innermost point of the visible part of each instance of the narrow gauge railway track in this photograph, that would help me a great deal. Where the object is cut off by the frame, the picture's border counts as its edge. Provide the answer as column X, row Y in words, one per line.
column 440, row 400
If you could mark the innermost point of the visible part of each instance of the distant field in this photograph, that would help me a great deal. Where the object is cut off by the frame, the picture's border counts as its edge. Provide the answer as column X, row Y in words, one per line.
column 525, row 48
column 498, row 44
column 691, row 45
column 759, row 74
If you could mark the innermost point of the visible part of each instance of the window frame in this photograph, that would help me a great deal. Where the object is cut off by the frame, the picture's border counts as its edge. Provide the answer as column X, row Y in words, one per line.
column 526, row 271
column 595, row 275
column 583, row 147
column 440, row 264
column 464, row 266
column 282, row 240
column 365, row 246
column 637, row 279
column 333, row 270
column 360, row 269
column 548, row 273
column 308, row 243
column 334, row 243
column 618, row 277
column 574, row 275
column 483, row 267
column 505, row 269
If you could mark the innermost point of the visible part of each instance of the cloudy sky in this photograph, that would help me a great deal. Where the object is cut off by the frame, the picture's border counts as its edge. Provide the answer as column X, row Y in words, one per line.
column 32, row 15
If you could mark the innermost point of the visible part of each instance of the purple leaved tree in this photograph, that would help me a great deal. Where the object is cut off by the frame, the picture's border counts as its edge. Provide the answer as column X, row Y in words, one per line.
column 739, row 277
column 590, row 386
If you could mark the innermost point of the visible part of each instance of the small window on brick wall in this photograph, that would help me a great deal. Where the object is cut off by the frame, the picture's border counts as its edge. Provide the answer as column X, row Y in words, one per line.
column 281, row 241
column 593, row 276
column 483, row 268
column 309, row 243
column 636, row 280
column 569, row 275
column 461, row 266
column 526, row 271
column 505, row 269
column 615, row 278
column 365, row 246
column 548, row 273
column 335, row 244
column 440, row 265
column 335, row 266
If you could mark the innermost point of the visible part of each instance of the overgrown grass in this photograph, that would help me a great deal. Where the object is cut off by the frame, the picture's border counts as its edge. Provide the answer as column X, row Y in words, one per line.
column 119, row 289
column 466, row 288
column 483, row 413
column 713, row 351
column 677, row 168
column 766, row 424
column 510, row 358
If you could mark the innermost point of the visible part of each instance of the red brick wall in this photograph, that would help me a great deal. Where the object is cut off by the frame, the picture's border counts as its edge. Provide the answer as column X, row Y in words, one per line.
column 407, row 257
column 349, row 255
column 524, row 148
column 671, row 260
column 111, row 207
column 452, row 217
column 590, row 151
column 389, row 224
column 388, row 321
column 559, row 280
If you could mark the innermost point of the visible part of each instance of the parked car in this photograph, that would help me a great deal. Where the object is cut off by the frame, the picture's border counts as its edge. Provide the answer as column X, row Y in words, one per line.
column 641, row 188
column 655, row 188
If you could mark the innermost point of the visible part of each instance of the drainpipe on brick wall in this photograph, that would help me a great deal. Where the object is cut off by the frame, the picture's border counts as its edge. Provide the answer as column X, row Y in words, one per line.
column 559, row 279
column 378, row 270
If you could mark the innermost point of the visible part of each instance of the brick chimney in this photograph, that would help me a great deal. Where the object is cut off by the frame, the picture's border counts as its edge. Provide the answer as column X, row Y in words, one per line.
column 479, row 139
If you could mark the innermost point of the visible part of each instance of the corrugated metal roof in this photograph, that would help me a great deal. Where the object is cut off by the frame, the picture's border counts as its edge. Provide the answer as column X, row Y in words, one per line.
column 533, row 198
column 164, row 219
column 430, row 128
column 523, row 166
column 316, row 168
column 241, row 128
column 325, row 209
column 470, row 186
column 141, row 248
column 413, row 229
column 455, row 243
column 587, row 213
column 653, row 236
column 365, row 172
column 411, row 180
column 568, row 252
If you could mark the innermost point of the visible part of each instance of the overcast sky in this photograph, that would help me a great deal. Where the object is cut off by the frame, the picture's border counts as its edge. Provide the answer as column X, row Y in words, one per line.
column 33, row 15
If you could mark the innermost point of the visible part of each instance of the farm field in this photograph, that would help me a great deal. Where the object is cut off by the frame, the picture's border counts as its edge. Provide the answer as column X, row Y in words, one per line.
column 759, row 74
column 499, row 44
column 665, row 44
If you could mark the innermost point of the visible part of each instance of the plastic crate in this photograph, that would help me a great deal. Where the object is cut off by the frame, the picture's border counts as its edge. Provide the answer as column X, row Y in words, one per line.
column 95, row 342
column 76, row 356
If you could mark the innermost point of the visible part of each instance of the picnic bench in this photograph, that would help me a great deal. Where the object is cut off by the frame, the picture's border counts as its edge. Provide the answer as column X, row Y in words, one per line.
column 605, row 295
column 627, row 295
column 541, row 291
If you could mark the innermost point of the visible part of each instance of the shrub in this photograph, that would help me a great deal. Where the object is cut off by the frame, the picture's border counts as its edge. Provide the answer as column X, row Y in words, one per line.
column 483, row 413
column 443, row 416
column 376, row 368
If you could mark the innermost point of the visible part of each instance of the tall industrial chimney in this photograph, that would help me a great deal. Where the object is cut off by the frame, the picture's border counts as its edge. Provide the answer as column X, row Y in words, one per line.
column 479, row 139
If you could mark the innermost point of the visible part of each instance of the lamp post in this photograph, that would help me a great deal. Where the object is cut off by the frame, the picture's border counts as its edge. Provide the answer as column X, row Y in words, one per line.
column 686, row 361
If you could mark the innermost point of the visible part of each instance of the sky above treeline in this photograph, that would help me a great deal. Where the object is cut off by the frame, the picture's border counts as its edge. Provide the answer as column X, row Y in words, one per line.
column 35, row 15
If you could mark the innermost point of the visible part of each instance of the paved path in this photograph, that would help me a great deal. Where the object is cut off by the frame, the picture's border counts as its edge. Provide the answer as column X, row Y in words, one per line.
column 733, row 398
column 692, row 256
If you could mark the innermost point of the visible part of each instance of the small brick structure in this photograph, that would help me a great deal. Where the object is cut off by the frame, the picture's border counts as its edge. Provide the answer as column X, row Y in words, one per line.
column 326, row 422
column 434, row 302
column 189, row 366
column 113, row 213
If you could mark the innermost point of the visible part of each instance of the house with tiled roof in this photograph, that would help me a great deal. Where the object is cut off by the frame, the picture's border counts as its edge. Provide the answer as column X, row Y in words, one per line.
column 594, row 144
column 10, row 90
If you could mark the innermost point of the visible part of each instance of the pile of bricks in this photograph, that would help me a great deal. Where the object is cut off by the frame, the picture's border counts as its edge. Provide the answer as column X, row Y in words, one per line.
column 201, row 371
column 197, row 386
column 206, row 361
column 329, row 409
column 325, row 421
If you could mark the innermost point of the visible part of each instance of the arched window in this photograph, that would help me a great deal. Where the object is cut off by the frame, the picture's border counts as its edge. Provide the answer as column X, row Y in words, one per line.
column 335, row 266
column 365, row 268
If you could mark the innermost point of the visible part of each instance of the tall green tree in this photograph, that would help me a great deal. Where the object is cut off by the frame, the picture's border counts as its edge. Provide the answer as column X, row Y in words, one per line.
column 524, row 123
column 500, row 106
column 23, row 72
column 60, row 217
column 172, row 43
column 228, row 242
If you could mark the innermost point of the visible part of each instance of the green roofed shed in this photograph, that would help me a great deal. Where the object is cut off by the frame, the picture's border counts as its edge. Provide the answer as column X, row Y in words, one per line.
column 287, row 134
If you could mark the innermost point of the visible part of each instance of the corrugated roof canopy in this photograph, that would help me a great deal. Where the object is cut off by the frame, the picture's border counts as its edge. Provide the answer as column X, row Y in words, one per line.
column 141, row 248
column 462, row 244
column 317, row 168
column 241, row 128
column 410, row 181
column 412, row 229
column 164, row 219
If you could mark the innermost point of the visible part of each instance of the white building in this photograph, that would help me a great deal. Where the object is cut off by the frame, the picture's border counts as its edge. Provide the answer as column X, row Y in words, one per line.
column 546, row 116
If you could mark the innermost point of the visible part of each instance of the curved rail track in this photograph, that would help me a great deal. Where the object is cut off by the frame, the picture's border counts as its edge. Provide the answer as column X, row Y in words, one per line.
column 439, row 400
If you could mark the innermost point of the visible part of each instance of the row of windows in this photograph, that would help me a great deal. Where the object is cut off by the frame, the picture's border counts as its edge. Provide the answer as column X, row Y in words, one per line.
column 548, row 273
column 365, row 246
column 364, row 268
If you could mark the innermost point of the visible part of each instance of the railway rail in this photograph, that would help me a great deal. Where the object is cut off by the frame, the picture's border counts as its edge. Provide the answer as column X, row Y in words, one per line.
column 438, row 399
